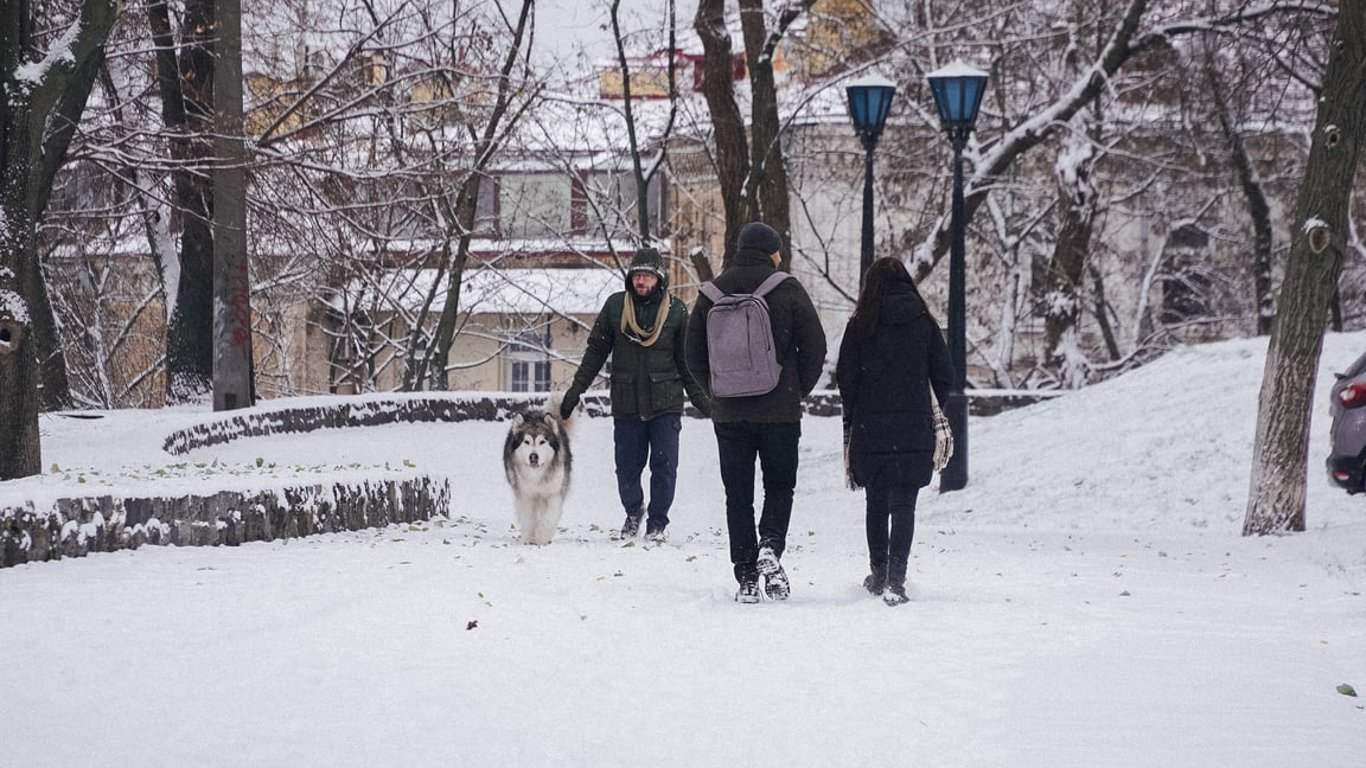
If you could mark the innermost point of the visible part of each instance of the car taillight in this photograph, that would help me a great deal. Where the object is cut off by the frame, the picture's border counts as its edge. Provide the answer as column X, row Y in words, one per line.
column 1353, row 395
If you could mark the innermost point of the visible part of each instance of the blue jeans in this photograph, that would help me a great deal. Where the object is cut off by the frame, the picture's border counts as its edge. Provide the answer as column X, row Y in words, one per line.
column 775, row 445
column 654, row 442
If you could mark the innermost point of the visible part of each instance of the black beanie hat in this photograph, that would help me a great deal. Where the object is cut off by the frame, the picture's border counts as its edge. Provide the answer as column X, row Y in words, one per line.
column 759, row 237
column 648, row 260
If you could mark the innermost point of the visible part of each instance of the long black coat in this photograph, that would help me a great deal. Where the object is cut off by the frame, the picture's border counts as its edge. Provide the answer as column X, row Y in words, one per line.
column 884, row 382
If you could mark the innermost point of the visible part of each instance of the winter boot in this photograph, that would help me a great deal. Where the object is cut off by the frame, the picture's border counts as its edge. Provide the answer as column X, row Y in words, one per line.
column 656, row 533
column 630, row 528
column 776, row 585
column 895, row 591
column 876, row 580
column 748, row 591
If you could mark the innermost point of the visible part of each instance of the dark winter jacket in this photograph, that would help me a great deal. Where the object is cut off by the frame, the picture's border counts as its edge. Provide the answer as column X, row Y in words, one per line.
column 797, row 334
column 884, row 382
column 646, row 381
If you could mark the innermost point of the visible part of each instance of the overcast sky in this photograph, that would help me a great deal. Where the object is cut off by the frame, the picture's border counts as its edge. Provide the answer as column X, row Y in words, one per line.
column 564, row 27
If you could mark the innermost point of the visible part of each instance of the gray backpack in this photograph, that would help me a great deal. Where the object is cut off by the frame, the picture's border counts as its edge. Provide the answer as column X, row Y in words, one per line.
column 740, row 347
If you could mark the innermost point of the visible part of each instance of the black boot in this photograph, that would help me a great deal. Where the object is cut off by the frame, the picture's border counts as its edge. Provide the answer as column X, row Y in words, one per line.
column 876, row 579
column 630, row 528
column 895, row 591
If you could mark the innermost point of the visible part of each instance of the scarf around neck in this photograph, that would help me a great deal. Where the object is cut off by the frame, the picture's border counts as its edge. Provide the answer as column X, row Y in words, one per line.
column 632, row 329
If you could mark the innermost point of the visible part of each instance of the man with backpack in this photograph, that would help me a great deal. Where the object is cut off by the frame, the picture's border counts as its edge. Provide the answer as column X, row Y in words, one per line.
column 755, row 413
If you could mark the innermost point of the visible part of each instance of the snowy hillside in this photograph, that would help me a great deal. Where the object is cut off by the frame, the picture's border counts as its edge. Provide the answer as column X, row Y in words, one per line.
column 1086, row 601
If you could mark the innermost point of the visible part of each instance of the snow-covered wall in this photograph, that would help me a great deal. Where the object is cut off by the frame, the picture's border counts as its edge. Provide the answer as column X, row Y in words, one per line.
column 73, row 527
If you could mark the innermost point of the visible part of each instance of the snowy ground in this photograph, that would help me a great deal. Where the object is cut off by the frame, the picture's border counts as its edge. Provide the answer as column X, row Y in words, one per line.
column 1087, row 601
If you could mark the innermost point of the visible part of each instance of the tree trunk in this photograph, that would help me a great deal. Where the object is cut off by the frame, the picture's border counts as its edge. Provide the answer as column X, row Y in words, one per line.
column 186, row 84
column 37, row 120
column 20, row 451
column 728, row 127
column 434, row 374
column 1103, row 311
column 433, row 367
column 1319, row 242
column 641, row 176
column 752, row 173
column 1076, row 214
column 1251, row 183
column 766, row 189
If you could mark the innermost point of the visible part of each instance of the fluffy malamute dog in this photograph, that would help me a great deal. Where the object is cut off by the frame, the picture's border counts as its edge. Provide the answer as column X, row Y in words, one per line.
column 538, row 462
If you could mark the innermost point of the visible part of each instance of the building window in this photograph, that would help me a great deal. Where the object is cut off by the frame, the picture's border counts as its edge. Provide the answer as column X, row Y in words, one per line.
column 529, row 362
column 611, row 203
column 533, row 205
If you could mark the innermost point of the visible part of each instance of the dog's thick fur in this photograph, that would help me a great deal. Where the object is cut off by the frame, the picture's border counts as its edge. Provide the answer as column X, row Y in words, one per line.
column 539, row 463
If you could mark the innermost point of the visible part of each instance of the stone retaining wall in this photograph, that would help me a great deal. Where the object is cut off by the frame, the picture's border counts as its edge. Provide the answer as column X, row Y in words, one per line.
column 73, row 527
column 452, row 408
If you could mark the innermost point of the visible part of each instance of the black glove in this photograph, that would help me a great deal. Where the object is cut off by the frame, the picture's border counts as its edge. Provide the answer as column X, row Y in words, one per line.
column 568, row 404
column 702, row 403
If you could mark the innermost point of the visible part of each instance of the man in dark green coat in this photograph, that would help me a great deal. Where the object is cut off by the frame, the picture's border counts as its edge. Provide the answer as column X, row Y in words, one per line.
column 642, row 330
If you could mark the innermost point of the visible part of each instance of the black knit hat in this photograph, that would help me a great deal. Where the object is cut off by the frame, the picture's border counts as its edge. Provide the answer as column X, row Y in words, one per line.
column 759, row 237
column 648, row 260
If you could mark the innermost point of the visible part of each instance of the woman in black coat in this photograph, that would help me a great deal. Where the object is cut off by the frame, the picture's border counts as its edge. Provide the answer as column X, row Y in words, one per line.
column 892, row 353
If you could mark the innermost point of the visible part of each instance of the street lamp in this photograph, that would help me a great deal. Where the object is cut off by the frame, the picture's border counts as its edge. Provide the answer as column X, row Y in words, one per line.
column 869, row 99
column 958, row 95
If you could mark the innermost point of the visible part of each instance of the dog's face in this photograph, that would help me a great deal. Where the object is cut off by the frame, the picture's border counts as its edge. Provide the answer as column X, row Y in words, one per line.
column 534, row 442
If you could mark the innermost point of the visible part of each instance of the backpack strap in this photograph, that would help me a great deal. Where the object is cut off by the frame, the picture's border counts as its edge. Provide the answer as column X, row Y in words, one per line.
column 710, row 290
column 771, row 282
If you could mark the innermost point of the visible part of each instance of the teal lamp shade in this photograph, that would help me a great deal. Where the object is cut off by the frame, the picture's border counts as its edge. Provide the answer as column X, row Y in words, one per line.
column 957, row 94
column 870, row 99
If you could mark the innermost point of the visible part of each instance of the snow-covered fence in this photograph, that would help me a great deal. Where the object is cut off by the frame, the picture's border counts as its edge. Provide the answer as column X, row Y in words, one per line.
column 73, row 527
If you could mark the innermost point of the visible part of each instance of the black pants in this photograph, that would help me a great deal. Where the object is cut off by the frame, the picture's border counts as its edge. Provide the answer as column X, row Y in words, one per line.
column 775, row 445
column 890, row 503
column 654, row 441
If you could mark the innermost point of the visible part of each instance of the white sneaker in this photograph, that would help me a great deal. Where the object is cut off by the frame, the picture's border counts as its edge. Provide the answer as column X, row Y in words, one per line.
column 776, row 585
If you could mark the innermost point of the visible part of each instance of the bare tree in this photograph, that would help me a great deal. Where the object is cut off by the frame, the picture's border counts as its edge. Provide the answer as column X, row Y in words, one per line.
column 1250, row 181
column 185, row 80
column 44, row 84
column 642, row 175
column 511, row 98
column 1321, row 239
column 751, row 170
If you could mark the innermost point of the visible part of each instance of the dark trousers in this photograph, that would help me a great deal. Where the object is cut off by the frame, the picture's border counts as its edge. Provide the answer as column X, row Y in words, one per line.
column 775, row 445
column 890, row 503
column 654, row 442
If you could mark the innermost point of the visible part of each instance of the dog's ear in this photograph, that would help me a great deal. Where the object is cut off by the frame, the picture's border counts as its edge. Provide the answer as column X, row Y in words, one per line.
column 549, row 419
column 517, row 420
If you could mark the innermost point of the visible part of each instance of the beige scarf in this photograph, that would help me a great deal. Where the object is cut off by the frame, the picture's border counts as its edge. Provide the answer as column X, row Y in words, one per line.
column 632, row 329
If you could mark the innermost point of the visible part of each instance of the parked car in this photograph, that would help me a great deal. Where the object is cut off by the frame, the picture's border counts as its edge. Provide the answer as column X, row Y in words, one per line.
column 1347, row 405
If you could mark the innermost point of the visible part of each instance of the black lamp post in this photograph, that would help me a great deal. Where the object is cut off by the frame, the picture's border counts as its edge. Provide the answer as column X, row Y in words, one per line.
column 869, row 100
column 958, row 95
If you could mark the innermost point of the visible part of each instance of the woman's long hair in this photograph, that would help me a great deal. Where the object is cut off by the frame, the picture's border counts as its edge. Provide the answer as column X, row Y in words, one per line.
column 882, row 275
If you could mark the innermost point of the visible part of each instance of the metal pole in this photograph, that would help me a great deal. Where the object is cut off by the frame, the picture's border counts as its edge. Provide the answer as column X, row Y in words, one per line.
column 232, row 356
column 955, row 475
column 866, row 260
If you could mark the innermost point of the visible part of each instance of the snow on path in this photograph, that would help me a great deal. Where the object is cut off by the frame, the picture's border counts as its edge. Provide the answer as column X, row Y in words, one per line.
column 1086, row 601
